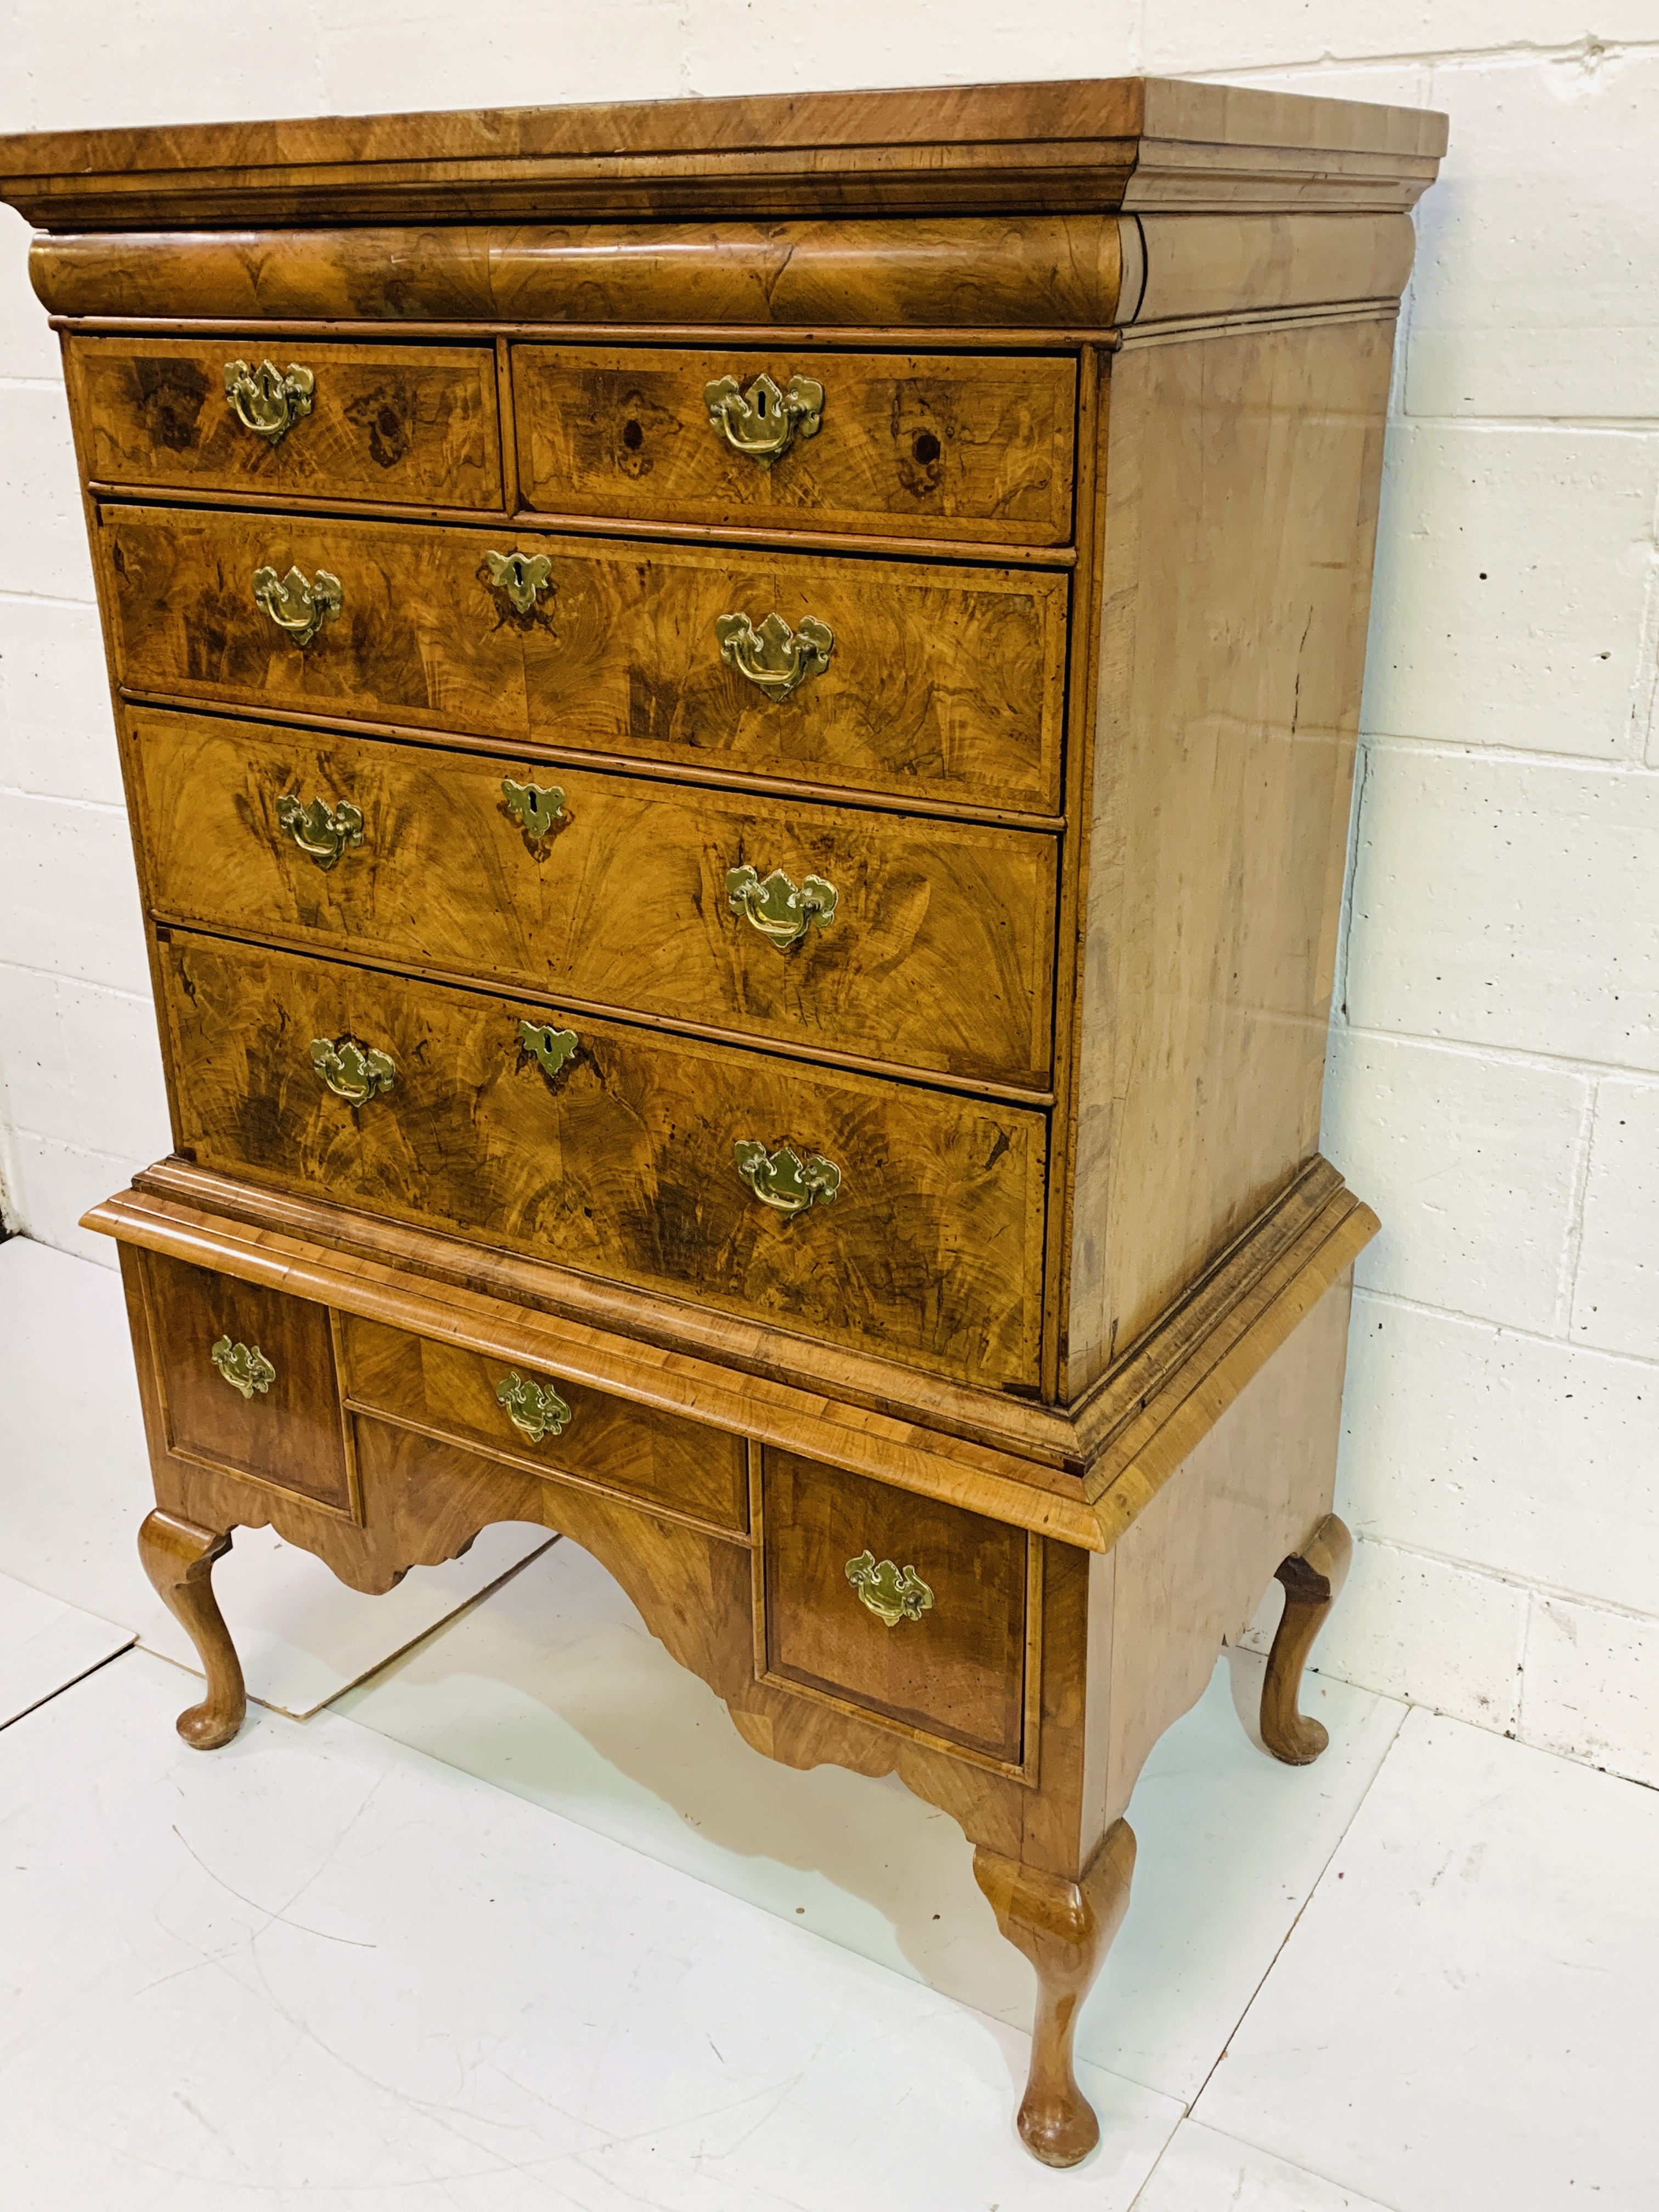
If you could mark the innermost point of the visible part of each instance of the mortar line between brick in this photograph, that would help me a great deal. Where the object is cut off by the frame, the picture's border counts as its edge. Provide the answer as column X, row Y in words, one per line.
column 80, row 982
column 1526, row 1586
column 1567, row 1288
column 1567, row 1343
column 1519, row 53
column 1512, row 1055
column 1624, row 765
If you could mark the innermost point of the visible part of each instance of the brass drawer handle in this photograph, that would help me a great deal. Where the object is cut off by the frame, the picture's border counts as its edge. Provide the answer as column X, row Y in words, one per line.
column 351, row 1070
column 296, row 606
column 783, row 914
column 321, row 833
column 763, row 422
column 536, row 808
column 775, row 658
column 782, row 1180
column 553, row 1048
column 521, row 576
column 535, row 1409
column 245, row 1371
column 892, row 1594
column 266, row 401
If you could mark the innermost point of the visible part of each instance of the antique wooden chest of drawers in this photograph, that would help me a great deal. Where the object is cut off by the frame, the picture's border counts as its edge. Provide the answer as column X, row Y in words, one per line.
column 739, row 719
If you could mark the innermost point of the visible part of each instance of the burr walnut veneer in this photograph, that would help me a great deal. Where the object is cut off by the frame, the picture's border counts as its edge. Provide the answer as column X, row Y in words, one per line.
column 739, row 719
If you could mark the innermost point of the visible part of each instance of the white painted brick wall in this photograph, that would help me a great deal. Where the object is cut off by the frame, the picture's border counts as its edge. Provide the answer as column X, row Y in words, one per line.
column 1494, row 1076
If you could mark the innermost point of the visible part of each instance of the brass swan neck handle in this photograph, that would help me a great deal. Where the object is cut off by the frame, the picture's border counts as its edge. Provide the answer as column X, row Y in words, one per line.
column 776, row 659
column 298, row 608
column 783, row 1180
column 322, row 833
column 353, row 1071
column 781, row 911
column 892, row 1594
column 245, row 1370
column 535, row 1409
column 266, row 400
column 764, row 422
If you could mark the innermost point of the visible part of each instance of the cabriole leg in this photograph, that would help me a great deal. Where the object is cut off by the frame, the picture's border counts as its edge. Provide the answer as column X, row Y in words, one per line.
column 179, row 1557
column 1065, row 1928
column 1312, row 1577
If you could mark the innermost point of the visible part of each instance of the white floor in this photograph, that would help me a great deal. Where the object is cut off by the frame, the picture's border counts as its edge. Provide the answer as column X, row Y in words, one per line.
column 519, row 1920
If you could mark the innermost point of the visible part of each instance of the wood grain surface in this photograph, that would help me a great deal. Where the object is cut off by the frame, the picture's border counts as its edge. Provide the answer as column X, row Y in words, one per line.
column 958, row 1671
column 1056, row 272
column 1242, row 471
column 624, row 1165
column 387, row 423
column 289, row 1434
column 1090, row 143
column 943, row 682
column 656, row 1458
column 939, row 954
column 930, row 445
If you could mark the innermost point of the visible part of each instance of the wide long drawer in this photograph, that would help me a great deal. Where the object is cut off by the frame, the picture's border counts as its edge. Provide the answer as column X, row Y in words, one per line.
column 977, row 448
column 289, row 418
column 704, row 1170
column 921, row 944
column 945, row 682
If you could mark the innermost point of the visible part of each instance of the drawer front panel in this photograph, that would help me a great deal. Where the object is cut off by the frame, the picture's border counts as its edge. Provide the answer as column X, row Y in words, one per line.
column 621, row 1161
column 940, row 682
column 957, row 1668
column 938, row 954
column 388, row 423
column 656, row 1458
column 283, row 1427
column 929, row 445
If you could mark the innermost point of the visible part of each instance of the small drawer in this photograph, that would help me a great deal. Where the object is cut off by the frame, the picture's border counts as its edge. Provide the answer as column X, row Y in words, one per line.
column 546, row 1423
column 882, row 675
column 886, row 445
column 247, row 1381
column 924, row 945
column 846, row 1207
column 387, row 423
column 903, row 1606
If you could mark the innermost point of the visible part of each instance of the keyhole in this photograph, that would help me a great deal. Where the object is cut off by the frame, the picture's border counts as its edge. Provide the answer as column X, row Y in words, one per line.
column 760, row 401
column 633, row 436
column 926, row 448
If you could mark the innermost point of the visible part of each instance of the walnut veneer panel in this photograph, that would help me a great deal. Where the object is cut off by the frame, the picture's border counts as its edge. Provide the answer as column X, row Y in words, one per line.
column 648, row 1455
column 624, row 1165
column 935, row 446
column 939, row 955
column 289, row 1434
column 943, row 682
column 1243, row 469
column 387, row 423
column 959, row 1671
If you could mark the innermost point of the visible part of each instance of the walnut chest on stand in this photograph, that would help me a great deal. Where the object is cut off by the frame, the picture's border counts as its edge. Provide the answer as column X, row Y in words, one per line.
column 739, row 721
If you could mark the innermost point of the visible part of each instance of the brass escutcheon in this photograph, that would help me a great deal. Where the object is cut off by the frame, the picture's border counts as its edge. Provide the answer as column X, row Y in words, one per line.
column 891, row 1593
column 773, row 905
column 764, row 422
column 782, row 1180
column 296, row 606
column 535, row 1409
column 537, row 809
column 321, row 833
column 353, row 1071
column 775, row 658
column 267, row 402
column 553, row 1048
column 245, row 1371
column 521, row 576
